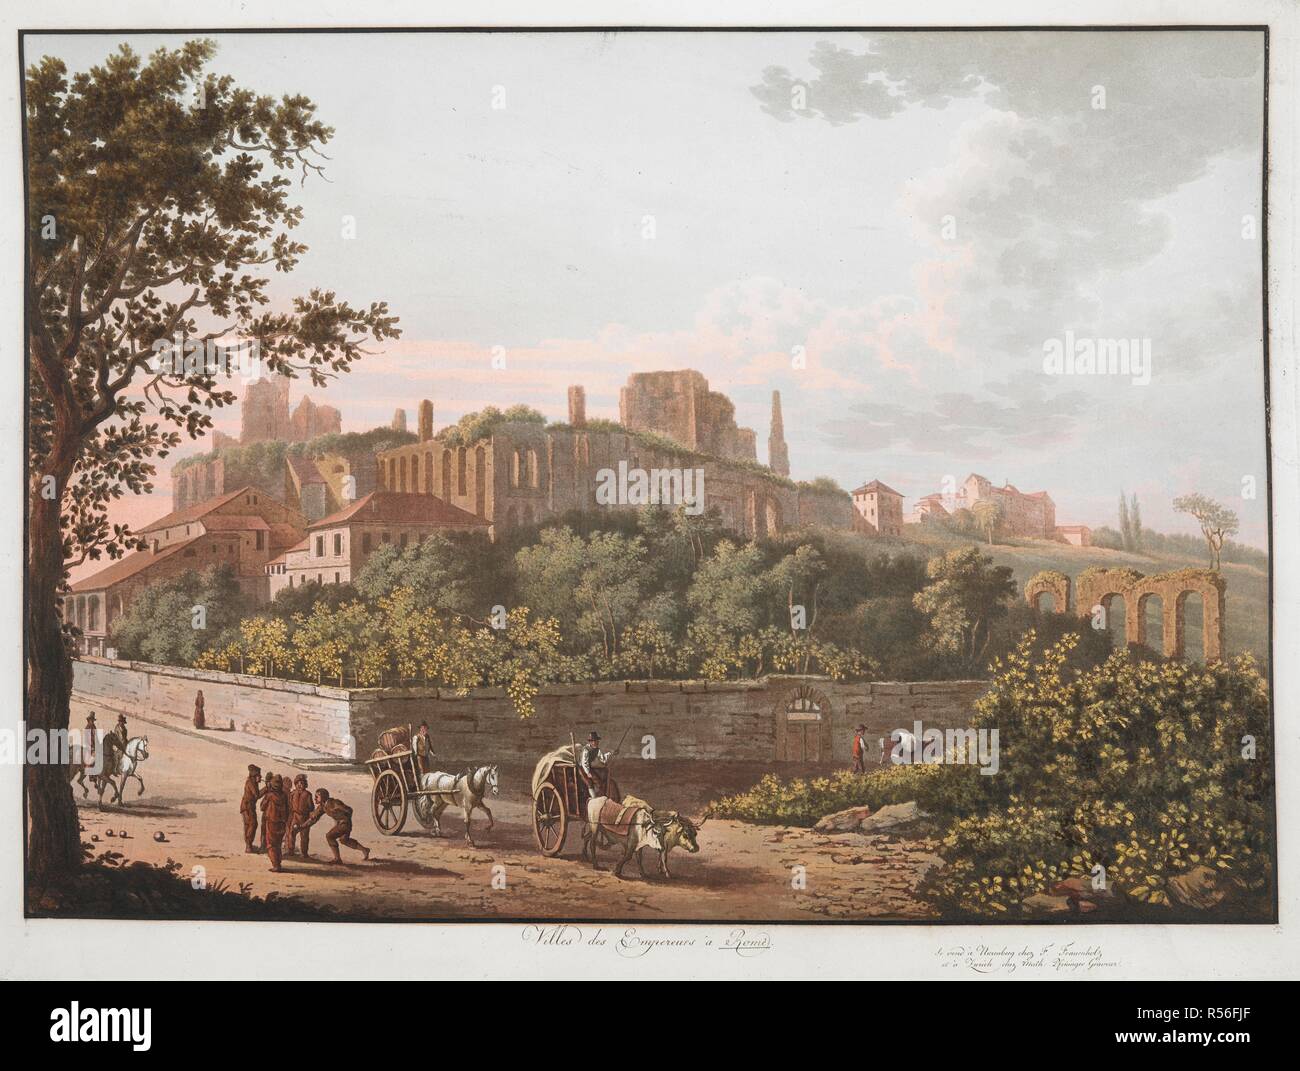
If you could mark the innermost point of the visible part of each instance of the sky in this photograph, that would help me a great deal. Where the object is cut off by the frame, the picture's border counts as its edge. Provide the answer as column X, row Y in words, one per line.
column 888, row 228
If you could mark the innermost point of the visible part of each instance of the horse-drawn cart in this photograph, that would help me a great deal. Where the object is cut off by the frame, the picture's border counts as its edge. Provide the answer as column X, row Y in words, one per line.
column 396, row 783
column 560, row 797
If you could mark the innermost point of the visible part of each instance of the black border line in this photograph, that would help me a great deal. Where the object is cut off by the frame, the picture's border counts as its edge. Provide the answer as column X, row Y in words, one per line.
column 1263, row 28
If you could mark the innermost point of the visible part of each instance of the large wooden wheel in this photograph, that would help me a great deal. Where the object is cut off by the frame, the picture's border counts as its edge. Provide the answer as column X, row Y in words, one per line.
column 550, row 822
column 388, row 802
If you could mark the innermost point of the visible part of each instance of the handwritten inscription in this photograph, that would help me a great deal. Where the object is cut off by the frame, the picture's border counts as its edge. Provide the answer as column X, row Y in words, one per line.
column 1067, row 958
column 631, row 943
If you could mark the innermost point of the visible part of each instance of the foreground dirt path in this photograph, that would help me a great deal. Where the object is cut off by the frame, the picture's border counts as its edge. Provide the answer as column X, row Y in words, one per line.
column 742, row 872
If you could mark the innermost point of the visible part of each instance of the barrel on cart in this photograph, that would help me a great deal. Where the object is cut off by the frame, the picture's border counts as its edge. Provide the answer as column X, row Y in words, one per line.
column 396, row 782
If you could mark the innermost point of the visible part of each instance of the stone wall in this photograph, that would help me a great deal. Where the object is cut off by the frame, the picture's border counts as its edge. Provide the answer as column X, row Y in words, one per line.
column 714, row 721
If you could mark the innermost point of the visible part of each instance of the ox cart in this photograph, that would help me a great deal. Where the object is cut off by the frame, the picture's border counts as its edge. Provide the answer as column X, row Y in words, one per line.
column 397, row 783
column 559, row 798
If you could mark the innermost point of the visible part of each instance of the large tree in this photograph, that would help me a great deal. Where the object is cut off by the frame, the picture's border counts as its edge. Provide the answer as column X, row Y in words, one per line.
column 158, row 204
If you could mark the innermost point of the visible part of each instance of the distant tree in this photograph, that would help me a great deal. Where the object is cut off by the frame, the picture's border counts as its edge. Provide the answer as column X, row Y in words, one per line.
column 988, row 515
column 1217, row 523
column 731, row 590
column 172, row 621
column 1125, row 523
column 965, row 595
column 799, row 577
column 439, row 574
column 1135, row 522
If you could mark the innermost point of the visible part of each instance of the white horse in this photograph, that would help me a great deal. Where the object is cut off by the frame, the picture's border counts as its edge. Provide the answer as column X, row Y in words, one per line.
column 466, row 789
column 128, row 766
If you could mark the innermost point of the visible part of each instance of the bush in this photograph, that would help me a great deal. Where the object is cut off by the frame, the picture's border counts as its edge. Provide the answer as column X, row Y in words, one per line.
column 802, row 801
column 1141, row 768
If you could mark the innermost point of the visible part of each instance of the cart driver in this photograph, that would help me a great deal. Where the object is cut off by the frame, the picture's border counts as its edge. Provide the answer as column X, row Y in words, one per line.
column 422, row 749
column 591, row 765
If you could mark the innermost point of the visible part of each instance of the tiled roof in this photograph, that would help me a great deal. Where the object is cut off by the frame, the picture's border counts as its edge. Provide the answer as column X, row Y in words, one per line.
column 876, row 485
column 399, row 507
column 199, row 510
column 128, row 566
column 305, row 469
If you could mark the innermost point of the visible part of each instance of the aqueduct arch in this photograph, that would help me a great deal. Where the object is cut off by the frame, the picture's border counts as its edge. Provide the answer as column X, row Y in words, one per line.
column 1052, row 583
column 1096, row 587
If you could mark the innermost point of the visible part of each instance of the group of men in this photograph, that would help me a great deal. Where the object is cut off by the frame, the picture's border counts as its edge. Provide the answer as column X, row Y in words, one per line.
column 288, row 813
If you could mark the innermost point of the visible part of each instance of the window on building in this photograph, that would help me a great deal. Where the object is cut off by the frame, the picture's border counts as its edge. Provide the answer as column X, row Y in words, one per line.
column 336, row 578
column 402, row 539
column 338, row 543
column 257, row 539
column 365, row 542
column 320, row 546
column 384, row 537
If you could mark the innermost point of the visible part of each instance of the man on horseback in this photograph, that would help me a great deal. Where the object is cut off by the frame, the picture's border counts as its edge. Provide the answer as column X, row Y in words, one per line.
column 115, row 741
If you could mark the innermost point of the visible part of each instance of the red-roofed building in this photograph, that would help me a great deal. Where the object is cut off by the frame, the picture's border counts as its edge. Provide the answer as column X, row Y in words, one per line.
column 1032, row 515
column 243, row 528
column 930, row 507
column 878, row 509
column 337, row 546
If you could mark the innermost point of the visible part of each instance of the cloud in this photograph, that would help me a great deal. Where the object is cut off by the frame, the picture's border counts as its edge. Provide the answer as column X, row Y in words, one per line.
column 1002, row 417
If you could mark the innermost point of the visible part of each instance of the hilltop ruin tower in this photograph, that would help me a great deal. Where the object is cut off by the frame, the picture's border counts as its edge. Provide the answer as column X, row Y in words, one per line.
column 577, row 407
column 399, row 420
column 778, row 454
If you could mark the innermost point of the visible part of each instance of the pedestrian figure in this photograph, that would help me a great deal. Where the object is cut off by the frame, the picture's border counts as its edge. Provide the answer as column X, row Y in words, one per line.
column 422, row 749
column 198, row 711
column 266, row 792
column 859, row 749
column 277, row 817
column 341, row 833
column 248, row 805
column 300, row 808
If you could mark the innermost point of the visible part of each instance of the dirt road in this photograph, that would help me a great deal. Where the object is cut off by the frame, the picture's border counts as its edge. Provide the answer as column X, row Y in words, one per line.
column 742, row 872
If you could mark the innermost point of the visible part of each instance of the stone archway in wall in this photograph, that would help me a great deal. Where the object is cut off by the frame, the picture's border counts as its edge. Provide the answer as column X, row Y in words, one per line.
column 802, row 725
column 1048, row 582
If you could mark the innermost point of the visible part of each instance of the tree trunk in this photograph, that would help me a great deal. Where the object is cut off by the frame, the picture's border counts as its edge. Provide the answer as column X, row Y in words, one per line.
column 54, row 843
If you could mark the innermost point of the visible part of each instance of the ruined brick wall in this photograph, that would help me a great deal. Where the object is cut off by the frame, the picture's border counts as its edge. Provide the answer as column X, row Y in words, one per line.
column 681, row 406
column 197, row 482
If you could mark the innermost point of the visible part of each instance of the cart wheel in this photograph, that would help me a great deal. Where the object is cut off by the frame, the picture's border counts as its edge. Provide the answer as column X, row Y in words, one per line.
column 388, row 802
column 550, row 823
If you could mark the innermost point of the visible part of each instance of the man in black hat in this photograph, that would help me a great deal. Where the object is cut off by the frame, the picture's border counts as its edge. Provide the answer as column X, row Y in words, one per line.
column 591, row 765
column 859, row 749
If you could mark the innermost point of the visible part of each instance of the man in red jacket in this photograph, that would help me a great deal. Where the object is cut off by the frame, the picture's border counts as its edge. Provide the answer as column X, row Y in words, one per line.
column 859, row 749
